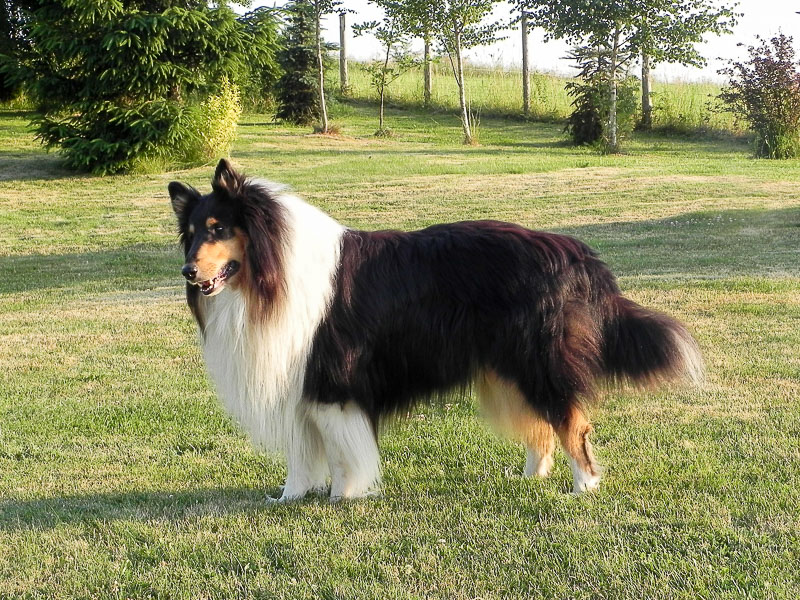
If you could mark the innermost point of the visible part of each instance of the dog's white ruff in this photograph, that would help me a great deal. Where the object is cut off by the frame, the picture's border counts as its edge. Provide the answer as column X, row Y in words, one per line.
column 259, row 369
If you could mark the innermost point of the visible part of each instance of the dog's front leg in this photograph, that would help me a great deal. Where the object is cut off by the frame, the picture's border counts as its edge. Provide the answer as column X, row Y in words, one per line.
column 351, row 448
column 307, row 466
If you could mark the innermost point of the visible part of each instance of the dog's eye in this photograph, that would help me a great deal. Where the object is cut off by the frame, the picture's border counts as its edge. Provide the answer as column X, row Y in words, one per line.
column 218, row 229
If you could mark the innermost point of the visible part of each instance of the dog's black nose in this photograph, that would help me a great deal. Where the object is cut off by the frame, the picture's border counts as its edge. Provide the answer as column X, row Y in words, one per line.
column 189, row 271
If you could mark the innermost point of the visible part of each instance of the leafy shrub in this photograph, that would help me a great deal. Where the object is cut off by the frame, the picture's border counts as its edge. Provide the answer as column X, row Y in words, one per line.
column 199, row 134
column 591, row 100
column 215, row 124
column 585, row 122
column 588, row 122
column 764, row 91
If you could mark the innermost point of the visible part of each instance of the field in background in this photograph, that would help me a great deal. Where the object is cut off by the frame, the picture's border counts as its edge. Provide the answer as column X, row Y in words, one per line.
column 678, row 106
column 685, row 107
column 120, row 476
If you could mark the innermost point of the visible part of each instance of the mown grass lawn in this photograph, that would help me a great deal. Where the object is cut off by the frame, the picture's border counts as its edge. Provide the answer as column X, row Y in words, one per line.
column 120, row 476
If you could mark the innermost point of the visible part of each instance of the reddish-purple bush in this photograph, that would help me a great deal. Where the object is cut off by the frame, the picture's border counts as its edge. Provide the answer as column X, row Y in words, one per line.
column 765, row 92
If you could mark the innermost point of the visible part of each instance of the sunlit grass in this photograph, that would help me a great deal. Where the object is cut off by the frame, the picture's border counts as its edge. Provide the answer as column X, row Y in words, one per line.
column 120, row 476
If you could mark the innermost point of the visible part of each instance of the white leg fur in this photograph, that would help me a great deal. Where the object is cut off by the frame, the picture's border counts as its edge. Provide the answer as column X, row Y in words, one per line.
column 306, row 464
column 538, row 464
column 582, row 481
column 351, row 449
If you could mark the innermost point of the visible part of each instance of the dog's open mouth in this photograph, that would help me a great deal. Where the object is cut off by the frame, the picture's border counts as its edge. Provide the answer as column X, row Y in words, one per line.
column 210, row 286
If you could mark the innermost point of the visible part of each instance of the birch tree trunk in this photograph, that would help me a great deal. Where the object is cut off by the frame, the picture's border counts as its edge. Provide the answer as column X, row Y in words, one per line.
column 526, row 77
column 462, row 98
column 383, row 83
column 323, row 111
column 647, row 107
column 427, row 70
column 343, row 83
column 613, row 143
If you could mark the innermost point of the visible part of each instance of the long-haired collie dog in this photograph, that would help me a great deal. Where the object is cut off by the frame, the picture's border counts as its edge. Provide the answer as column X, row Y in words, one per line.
column 314, row 332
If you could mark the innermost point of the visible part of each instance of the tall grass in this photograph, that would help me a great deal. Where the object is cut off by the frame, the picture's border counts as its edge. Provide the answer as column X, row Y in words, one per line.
column 491, row 91
column 690, row 106
column 684, row 107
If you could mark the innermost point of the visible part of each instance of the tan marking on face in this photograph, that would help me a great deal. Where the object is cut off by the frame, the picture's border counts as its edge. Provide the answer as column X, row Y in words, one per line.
column 210, row 222
column 213, row 255
column 191, row 228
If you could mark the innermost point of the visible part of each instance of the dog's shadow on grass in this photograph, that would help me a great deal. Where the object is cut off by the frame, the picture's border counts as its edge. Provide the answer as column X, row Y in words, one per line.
column 35, row 166
column 154, row 506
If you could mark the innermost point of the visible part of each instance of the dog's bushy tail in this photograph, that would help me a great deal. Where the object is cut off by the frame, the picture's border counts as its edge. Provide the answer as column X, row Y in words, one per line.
column 646, row 347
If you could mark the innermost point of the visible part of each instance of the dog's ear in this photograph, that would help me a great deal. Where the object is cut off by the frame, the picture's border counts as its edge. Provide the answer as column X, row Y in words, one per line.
column 227, row 180
column 183, row 197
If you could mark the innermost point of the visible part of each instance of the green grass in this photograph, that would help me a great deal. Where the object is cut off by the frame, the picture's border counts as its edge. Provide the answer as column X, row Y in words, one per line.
column 120, row 476
column 685, row 107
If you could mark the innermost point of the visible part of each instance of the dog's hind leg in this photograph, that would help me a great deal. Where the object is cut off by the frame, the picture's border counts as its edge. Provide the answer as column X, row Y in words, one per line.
column 305, row 461
column 539, row 445
column 574, row 435
column 507, row 410
column 351, row 448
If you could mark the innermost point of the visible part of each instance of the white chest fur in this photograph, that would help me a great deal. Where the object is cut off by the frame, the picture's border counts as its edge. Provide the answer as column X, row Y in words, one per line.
column 259, row 368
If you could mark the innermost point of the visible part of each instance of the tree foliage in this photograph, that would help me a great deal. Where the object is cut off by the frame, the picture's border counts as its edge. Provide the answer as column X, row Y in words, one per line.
column 13, row 42
column 261, row 70
column 112, row 79
column 665, row 30
column 764, row 91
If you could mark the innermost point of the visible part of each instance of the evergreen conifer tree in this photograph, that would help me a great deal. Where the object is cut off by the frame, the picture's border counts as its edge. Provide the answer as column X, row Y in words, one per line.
column 297, row 88
column 12, row 42
column 113, row 79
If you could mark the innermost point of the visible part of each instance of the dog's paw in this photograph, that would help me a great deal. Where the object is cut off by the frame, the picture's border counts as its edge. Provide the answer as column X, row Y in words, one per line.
column 284, row 499
column 584, row 484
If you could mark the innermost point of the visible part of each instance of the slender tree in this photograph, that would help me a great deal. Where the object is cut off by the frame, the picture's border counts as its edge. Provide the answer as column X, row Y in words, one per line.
column 669, row 31
column 321, row 9
column 420, row 21
column 343, row 83
column 427, row 71
column 526, row 75
column 647, row 107
column 457, row 25
column 393, row 36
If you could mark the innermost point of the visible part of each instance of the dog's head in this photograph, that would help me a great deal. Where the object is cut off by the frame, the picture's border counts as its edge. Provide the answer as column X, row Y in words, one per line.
column 229, row 235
